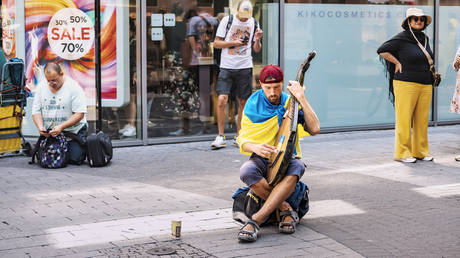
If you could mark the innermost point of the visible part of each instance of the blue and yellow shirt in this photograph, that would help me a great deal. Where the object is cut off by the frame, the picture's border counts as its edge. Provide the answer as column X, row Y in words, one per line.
column 261, row 121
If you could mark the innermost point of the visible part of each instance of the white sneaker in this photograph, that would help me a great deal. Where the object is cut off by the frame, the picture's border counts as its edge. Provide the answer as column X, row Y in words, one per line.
column 179, row 132
column 407, row 160
column 235, row 142
column 457, row 158
column 130, row 131
column 427, row 158
column 121, row 131
column 219, row 142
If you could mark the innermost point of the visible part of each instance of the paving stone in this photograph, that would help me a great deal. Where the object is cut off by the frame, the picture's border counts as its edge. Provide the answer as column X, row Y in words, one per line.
column 397, row 216
column 179, row 249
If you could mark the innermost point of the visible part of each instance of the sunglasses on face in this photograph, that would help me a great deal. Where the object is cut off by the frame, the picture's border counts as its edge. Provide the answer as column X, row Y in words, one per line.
column 422, row 19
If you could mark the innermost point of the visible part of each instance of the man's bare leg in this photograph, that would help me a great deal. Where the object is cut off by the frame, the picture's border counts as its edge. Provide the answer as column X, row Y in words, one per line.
column 241, row 104
column 274, row 198
column 221, row 112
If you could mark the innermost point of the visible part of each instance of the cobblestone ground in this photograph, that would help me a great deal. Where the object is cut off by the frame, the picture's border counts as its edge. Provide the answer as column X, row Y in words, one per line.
column 362, row 202
column 170, row 248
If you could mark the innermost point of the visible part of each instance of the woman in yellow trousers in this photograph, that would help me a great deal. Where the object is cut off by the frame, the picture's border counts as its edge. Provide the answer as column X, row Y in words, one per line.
column 410, row 81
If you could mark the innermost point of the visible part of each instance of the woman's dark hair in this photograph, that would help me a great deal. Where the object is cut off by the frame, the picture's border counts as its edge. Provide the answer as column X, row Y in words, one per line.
column 405, row 25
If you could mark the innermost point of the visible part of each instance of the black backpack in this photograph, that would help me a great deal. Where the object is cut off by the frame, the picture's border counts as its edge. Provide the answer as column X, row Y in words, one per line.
column 51, row 152
column 99, row 149
column 246, row 203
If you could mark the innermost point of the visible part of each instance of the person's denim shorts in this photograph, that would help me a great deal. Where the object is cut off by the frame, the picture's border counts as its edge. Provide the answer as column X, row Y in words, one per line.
column 237, row 82
column 256, row 168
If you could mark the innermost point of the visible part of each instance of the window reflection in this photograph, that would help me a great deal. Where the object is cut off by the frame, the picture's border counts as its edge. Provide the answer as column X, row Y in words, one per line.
column 181, row 68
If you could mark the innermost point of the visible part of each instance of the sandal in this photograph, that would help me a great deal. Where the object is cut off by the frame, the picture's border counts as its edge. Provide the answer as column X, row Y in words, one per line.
column 249, row 236
column 294, row 216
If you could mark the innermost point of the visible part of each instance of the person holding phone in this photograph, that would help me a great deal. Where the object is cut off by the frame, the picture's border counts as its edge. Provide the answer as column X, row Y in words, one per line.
column 60, row 105
column 234, row 36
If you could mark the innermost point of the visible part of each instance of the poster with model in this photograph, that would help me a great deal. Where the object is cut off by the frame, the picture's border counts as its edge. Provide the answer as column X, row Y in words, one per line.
column 63, row 31
column 8, row 24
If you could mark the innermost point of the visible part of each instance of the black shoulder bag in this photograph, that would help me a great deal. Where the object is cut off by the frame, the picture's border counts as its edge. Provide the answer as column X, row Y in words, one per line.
column 436, row 76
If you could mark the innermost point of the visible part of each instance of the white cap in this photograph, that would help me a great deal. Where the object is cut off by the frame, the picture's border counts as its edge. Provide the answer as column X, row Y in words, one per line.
column 245, row 9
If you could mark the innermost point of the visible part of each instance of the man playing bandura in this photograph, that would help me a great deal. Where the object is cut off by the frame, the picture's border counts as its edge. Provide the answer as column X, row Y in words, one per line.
column 261, row 120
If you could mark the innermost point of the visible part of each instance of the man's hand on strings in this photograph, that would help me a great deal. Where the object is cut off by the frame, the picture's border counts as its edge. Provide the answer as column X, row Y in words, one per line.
column 296, row 89
column 264, row 150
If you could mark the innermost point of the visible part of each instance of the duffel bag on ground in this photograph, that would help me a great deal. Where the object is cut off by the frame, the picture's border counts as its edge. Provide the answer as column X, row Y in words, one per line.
column 99, row 150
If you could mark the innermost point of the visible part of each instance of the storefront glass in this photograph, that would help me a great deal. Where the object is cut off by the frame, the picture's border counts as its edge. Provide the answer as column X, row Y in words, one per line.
column 449, row 41
column 123, row 121
column 63, row 32
column 181, row 83
column 346, row 84
column 175, row 96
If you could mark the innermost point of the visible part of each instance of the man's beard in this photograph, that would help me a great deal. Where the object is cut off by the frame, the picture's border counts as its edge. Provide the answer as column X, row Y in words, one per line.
column 274, row 99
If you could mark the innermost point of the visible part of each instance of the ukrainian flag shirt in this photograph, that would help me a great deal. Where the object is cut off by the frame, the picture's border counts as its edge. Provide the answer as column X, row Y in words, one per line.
column 261, row 121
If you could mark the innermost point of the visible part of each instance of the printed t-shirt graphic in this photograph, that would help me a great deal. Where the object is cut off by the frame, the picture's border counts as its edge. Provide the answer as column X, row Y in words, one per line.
column 238, row 33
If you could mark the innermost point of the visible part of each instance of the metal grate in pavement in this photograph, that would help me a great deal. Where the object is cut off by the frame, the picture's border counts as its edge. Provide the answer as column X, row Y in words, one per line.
column 171, row 248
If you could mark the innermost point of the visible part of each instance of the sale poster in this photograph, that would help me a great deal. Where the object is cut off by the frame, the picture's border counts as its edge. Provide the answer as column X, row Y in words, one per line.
column 8, row 24
column 63, row 32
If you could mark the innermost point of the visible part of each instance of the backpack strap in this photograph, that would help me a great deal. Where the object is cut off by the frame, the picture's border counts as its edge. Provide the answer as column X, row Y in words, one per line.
column 208, row 24
column 36, row 148
column 75, row 137
column 229, row 24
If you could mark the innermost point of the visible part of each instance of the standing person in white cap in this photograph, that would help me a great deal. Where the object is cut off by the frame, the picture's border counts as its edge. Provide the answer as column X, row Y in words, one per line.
column 455, row 103
column 237, row 36
column 411, row 86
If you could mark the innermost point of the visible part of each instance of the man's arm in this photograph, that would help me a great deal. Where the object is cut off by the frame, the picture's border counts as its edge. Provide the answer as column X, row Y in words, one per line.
column 192, row 41
column 257, row 46
column 219, row 42
column 37, row 116
column 311, row 120
column 391, row 58
column 38, row 121
column 74, row 119
column 263, row 149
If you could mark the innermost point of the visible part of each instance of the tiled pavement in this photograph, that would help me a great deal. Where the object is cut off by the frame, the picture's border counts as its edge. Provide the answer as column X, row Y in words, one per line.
column 363, row 203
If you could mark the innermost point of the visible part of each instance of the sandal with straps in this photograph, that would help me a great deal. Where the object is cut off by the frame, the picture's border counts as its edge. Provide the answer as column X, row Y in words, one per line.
column 292, row 224
column 249, row 236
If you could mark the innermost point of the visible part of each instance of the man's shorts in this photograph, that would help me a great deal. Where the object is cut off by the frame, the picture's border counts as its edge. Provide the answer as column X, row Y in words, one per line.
column 236, row 81
column 256, row 168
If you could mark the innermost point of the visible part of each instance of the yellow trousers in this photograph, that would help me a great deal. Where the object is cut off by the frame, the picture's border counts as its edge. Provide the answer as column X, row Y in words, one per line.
column 412, row 109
